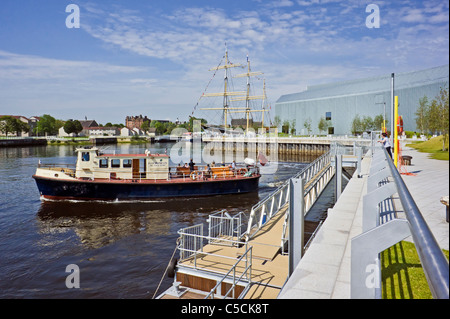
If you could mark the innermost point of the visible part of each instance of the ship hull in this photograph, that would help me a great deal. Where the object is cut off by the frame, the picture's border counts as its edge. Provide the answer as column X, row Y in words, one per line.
column 57, row 189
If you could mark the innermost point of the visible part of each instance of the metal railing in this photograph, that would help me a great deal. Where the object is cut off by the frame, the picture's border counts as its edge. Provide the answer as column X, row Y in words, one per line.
column 190, row 245
column 380, row 233
column 274, row 202
column 247, row 272
column 224, row 226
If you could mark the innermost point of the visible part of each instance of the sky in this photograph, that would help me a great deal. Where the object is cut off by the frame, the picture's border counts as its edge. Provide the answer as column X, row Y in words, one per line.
column 153, row 57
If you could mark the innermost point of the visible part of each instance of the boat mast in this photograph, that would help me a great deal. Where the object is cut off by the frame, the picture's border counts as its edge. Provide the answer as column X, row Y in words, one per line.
column 247, row 98
column 226, row 93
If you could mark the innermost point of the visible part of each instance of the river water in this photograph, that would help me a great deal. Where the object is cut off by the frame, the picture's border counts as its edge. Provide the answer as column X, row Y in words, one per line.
column 121, row 248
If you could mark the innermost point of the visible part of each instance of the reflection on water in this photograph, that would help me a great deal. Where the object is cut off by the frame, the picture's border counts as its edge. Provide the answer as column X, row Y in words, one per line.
column 97, row 224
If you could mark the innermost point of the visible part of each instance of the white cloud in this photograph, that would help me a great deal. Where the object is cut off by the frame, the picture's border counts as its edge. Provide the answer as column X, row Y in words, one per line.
column 29, row 67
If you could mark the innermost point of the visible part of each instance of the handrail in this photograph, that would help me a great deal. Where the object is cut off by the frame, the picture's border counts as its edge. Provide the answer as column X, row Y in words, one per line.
column 434, row 262
column 268, row 207
column 248, row 268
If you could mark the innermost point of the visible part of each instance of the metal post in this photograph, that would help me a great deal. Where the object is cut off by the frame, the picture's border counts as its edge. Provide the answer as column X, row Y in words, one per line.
column 359, row 158
column 392, row 109
column 338, row 176
column 396, row 143
column 296, row 227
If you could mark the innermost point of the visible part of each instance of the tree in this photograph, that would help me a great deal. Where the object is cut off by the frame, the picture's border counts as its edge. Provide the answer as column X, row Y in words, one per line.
column 47, row 125
column 367, row 124
column 442, row 108
column 285, row 127
column 78, row 127
column 356, row 125
column 73, row 127
column 145, row 126
column 378, row 122
column 323, row 125
column 69, row 127
column 9, row 124
column 421, row 115
column 277, row 121
column 293, row 126
column 307, row 125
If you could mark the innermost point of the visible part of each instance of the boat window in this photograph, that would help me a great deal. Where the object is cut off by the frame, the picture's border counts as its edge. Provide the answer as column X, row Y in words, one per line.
column 126, row 163
column 85, row 156
column 115, row 163
column 103, row 163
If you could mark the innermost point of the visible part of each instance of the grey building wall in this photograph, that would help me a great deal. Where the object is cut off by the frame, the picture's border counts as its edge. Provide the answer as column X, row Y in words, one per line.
column 365, row 97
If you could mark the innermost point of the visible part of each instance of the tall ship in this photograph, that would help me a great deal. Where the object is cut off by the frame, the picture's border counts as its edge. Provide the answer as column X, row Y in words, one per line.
column 100, row 176
column 234, row 104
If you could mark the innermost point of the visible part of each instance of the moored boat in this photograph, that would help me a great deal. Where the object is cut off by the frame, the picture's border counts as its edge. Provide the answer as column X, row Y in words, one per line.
column 99, row 176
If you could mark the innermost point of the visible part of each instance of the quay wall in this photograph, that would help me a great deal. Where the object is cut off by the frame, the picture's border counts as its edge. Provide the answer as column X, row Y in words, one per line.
column 281, row 146
column 17, row 142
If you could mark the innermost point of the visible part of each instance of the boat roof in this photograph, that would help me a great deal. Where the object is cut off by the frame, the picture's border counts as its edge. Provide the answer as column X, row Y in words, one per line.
column 133, row 155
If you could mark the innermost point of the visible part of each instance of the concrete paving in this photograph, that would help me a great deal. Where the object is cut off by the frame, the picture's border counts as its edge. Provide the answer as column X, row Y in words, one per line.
column 427, row 186
column 324, row 271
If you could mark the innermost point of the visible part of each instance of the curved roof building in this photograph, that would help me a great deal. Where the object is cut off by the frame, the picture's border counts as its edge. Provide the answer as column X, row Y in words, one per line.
column 340, row 102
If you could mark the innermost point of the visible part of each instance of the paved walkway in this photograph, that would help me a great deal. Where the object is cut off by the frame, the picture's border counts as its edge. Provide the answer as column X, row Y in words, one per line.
column 427, row 186
column 324, row 271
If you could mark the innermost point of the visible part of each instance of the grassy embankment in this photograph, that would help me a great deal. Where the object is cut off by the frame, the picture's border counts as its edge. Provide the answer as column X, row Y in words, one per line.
column 402, row 273
column 432, row 146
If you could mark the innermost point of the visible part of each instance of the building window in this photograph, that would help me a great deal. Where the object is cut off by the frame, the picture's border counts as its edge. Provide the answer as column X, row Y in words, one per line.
column 85, row 157
column 103, row 163
column 126, row 163
column 328, row 116
column 331, row 130
column 115, row 163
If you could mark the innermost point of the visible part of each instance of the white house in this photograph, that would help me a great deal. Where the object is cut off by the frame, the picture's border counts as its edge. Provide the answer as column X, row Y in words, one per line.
column 125, row 131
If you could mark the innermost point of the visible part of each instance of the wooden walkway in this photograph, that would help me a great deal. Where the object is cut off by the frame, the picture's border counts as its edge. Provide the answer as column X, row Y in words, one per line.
column 269, row 266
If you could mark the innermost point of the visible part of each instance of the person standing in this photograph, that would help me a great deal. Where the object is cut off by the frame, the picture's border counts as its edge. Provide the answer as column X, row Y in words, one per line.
column 386, row 143
column 191, row 165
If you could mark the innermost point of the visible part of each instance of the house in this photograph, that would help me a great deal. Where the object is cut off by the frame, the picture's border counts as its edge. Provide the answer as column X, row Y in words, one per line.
column 30, row 122
column 125, row 131
column 151, row 131
column 62, row 133
column 86, row 125
column 136, row 121
column 103, row 131
column 137, row 131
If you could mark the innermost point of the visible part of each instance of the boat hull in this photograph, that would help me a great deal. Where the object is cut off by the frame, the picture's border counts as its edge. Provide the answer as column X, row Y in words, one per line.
column 55, row 189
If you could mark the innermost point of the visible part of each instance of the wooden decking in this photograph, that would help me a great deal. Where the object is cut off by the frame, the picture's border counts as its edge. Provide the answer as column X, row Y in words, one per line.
column 269, row 266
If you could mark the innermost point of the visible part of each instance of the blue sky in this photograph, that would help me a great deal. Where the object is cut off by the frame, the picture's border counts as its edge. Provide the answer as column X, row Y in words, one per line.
column 152, row 57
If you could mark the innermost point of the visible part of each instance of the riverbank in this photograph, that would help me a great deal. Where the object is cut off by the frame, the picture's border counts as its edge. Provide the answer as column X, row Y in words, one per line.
column 17, row 142
column 29, row 141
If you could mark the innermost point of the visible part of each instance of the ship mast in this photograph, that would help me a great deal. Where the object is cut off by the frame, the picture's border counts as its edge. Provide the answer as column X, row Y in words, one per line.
column 226, row 102
column 248, row 97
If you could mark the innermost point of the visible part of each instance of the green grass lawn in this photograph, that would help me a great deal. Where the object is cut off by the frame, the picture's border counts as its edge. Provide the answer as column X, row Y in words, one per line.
column 432, row 146
column 402, row 275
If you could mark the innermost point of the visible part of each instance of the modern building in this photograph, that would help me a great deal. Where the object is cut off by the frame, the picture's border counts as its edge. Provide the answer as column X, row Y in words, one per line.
column 340, row 102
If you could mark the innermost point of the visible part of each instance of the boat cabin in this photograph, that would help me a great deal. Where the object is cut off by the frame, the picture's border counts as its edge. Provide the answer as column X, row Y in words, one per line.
column 92, row 163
